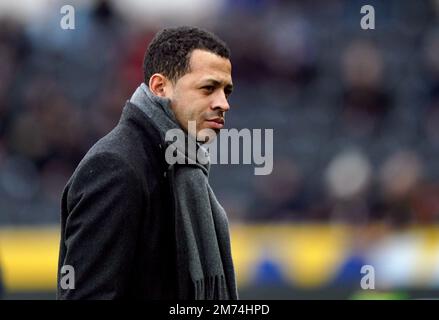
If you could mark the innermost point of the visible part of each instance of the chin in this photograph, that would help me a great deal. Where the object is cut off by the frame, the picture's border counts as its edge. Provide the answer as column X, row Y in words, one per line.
column 209, row 137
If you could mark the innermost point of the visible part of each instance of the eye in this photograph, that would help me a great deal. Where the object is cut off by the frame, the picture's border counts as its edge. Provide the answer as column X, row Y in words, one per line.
column 208, row 89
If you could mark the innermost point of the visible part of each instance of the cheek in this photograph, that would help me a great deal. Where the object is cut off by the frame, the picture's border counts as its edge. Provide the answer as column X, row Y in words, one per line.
column 197, row 109
column 191, row 108
column 184, row 114
column 180, row 113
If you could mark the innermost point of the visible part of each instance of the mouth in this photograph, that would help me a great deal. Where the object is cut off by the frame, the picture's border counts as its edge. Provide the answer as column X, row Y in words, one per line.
column 216, row 123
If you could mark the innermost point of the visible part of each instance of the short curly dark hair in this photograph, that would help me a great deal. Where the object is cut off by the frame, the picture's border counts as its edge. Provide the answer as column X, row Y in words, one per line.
column 170, row 49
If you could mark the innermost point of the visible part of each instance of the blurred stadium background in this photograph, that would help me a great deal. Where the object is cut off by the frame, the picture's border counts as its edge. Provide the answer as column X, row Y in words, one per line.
column 355, row 115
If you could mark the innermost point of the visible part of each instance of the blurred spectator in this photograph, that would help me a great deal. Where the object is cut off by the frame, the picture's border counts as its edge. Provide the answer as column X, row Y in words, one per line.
column 399, row 178
column 348, row 179
column 431, row 65
column 279, row 196
column 365, row 100
column 425, row 203
column 293, row 55
column 14, row 49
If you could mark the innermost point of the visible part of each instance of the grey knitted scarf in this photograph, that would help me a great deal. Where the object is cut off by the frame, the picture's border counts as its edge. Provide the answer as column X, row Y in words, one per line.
column 204, row 260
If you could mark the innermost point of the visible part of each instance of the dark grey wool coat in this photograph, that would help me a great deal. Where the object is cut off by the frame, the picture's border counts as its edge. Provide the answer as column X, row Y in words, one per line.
column 116, row 250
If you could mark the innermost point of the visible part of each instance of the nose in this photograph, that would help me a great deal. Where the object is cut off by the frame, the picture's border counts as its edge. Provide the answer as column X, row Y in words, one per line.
column 221, row 102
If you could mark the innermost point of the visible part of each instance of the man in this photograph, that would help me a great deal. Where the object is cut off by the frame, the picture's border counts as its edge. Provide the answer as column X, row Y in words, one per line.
column 133, row 225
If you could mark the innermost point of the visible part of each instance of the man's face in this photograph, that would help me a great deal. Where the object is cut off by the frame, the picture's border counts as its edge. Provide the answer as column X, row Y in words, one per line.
column 201, row 94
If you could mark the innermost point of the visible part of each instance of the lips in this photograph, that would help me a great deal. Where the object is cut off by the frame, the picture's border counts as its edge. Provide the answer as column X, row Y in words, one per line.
column 216, row 123
column 217, row 120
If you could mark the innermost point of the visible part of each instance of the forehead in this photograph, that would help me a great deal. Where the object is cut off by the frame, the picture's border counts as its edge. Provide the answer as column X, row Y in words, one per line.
column 204, row 64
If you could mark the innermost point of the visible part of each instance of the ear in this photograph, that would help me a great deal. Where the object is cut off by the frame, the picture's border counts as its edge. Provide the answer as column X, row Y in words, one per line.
column 158, row 84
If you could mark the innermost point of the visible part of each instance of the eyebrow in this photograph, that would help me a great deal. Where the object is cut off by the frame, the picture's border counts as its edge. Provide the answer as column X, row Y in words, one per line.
column 217, row 83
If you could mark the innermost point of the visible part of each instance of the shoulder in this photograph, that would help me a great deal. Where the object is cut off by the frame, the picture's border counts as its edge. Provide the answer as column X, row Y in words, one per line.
column 101, row 168
column 135, row 138
column 102, row 175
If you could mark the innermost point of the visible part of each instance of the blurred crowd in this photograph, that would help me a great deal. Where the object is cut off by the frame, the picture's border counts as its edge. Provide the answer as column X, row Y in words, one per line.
column 355, row 112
